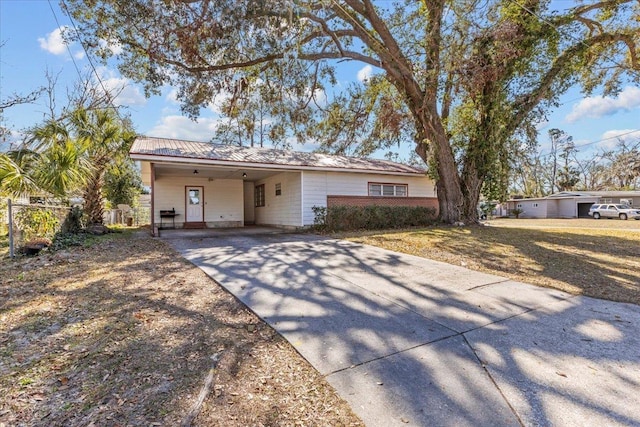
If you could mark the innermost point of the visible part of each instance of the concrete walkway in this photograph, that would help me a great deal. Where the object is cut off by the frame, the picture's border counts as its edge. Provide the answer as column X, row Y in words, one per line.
column 410, row 341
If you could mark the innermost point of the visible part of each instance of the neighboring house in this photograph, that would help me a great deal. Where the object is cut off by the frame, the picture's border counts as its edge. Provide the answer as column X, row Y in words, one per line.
column 571, row 204
column 196, row 184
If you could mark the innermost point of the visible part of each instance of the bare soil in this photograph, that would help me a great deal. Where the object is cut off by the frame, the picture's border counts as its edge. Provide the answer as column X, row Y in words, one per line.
column 125, row 333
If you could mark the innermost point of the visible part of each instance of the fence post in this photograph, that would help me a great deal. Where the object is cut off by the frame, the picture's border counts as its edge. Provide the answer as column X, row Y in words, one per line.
column 11, row 254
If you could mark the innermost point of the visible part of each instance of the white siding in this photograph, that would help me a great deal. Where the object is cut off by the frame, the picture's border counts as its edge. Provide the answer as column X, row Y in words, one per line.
column 315, row 194
column 222, row 199
column 532, row 208
column 284, row 209
column 551, row 209
column 567, row 208
column 318, row 185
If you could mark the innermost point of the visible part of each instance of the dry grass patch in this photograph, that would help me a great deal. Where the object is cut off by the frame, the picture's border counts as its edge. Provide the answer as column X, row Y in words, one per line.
column 123, row 333
column 600, row 259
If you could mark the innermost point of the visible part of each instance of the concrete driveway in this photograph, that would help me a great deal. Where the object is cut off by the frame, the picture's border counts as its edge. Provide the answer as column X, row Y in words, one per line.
column 409, row 341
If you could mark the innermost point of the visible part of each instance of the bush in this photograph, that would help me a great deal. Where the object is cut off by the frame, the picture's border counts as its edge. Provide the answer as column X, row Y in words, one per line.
column 73, row 223
column 64, row 240
column 517, row 212
column 319, row 217
column 342, row 218
column 36, row 222
column 4, row 228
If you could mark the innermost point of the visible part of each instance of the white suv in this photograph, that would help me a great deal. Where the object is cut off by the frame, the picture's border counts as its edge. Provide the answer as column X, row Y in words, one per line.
column 613, row 211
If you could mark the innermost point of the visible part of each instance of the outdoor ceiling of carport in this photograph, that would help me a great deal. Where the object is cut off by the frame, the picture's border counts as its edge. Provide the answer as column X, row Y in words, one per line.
column 215, row 172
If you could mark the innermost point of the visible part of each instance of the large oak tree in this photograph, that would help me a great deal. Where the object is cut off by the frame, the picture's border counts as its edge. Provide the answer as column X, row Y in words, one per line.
column 462, row 77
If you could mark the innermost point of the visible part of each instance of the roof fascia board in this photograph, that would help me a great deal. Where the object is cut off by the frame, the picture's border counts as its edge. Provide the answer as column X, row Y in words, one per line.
column 268, row 166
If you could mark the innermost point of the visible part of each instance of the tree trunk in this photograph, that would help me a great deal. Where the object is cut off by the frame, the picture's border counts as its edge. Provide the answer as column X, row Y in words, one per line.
column 93, row 199
column 472, row 187
column 449, row 190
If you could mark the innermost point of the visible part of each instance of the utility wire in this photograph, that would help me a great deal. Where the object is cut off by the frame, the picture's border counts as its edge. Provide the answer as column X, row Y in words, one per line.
column 580, row 41
column 73, row 59
column 588, row 144
column 86, row 52
column 607, row 139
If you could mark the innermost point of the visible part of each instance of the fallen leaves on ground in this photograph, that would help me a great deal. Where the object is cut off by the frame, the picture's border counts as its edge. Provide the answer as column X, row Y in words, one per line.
column 600, row 259
column 123, row 333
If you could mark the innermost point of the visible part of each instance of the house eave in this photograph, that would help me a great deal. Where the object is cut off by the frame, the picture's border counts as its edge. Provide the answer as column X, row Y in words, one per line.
column 167, row 160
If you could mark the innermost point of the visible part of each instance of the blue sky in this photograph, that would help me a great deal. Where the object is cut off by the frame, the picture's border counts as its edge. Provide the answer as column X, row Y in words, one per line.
column 30, row 31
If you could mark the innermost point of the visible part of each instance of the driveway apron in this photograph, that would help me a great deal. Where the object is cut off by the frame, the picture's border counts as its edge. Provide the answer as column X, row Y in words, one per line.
column 411, row 341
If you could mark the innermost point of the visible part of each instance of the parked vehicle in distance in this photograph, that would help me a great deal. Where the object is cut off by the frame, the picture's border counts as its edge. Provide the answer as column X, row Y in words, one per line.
column 613, row 210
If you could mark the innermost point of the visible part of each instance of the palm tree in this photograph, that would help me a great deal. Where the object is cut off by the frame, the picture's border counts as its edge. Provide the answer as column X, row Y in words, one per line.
column 105, row 139
column 57, row 171
column 69, row 156
column 17, row 172
column 50, row 163
column 63, row 169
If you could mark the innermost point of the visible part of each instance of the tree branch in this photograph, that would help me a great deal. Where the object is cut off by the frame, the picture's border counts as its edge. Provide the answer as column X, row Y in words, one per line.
column 527, row 103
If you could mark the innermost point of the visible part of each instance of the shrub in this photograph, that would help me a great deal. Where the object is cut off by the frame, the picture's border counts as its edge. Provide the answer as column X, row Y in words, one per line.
column 4, row 228
column 73, row 223
column 319, row 217
column 64, row 240
column 517, row 212
column 342, row 218
column 36, row 222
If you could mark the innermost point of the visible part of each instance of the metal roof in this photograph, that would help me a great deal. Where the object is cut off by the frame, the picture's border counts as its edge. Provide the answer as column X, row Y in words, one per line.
column 582, row 194
column 145, row 148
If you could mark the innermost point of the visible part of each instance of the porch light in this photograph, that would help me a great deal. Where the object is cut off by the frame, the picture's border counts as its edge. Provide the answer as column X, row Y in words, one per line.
column 244, row 174
column 195, row 172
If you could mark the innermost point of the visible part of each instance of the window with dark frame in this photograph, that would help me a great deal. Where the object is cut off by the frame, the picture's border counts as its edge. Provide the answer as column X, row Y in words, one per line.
column 259, row 195
column 388, row 190
column 278, row 189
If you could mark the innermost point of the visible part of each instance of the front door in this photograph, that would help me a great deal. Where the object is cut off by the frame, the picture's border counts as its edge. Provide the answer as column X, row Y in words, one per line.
column 195, row 205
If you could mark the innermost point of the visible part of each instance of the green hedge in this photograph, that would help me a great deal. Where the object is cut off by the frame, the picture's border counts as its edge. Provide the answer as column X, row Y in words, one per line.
column 342, row 218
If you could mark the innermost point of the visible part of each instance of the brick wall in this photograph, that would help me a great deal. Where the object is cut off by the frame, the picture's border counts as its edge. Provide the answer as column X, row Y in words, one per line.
column 428, row 202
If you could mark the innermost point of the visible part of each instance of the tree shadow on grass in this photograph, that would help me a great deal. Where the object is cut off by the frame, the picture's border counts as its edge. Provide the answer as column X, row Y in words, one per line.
column 408, row 340
column 598, row 266
column 124, row 335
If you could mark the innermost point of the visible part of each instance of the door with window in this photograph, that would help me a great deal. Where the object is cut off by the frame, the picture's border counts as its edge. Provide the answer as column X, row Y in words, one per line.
column 195, row 205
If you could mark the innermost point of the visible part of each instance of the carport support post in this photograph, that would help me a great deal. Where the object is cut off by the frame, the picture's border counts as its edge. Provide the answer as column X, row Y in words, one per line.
column 153, row 196
column 11, row 251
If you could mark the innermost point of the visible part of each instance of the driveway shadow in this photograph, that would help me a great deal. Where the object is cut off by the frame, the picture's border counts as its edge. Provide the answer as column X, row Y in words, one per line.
column 598, row 266
column 408, row 340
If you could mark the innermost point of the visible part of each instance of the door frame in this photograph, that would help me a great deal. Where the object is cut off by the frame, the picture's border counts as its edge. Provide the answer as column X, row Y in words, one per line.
column 186, row 206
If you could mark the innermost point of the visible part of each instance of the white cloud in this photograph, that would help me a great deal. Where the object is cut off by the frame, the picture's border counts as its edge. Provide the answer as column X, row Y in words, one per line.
column 365, row 73
column 172, row 96
column 129, row 95
column 180, row 127
column 125, row 92
column 114, row 46
column 308, row 145
column 215, row 106
column 54, row 42
column 610, row 138
column 542, row 124
column 596, row 107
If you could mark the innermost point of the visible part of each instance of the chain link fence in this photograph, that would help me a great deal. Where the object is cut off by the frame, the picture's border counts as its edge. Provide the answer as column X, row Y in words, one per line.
column 128, row 216
column 29, row 225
